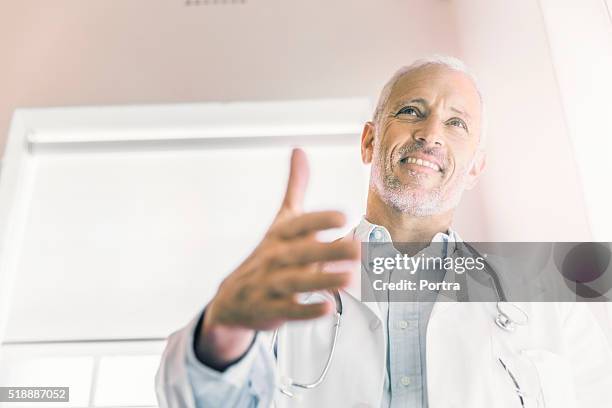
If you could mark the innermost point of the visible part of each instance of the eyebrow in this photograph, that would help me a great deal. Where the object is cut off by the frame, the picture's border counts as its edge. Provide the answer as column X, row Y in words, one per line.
column 425, row 102
column 402, row 102
column 422, row 101
column 459, row 111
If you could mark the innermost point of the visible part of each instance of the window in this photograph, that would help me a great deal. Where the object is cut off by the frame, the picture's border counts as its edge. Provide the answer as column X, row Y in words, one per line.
column 99, row 374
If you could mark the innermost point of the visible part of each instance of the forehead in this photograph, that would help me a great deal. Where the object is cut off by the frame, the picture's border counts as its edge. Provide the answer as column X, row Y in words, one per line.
column 438, row 85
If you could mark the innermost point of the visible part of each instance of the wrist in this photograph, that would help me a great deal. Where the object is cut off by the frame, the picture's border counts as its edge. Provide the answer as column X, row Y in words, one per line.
column 219, row 346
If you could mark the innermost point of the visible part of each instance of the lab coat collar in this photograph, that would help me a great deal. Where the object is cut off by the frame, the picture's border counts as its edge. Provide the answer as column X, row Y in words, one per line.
column 366, row 231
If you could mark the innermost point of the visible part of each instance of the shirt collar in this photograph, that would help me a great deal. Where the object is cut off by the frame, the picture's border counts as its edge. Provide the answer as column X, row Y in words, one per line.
column 369, row 232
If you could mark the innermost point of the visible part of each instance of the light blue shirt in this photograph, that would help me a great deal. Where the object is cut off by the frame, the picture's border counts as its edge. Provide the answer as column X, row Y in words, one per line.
column 251, row 381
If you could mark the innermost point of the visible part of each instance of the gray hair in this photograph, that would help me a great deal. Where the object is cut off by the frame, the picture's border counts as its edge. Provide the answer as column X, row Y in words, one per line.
column 451, row 63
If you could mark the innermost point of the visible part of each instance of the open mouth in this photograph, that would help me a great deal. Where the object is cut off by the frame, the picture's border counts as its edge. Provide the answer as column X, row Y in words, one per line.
column 421, row 162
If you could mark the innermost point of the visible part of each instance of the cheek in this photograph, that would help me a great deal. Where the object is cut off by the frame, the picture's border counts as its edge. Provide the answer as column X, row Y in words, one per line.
column 463, row 162
column 392, row 135
column 461, row 151
column 396, row 130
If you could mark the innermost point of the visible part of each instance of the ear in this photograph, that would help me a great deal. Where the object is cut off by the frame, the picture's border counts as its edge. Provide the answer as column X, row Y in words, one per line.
column 367, row 142
column 480, row 160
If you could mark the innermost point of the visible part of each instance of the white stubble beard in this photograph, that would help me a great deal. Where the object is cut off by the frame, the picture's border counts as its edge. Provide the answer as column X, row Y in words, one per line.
column 405, row 199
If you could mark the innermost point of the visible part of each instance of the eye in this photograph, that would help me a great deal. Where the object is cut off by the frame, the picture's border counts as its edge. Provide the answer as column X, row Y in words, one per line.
column 457, row 122
column 410, row 111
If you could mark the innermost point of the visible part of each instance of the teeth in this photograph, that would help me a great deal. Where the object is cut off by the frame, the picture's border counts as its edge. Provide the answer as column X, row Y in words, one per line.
column 420, row 162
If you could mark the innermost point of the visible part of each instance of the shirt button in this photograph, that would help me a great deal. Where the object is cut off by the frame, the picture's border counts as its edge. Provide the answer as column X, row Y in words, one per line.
column 377, row 234
column 374, row 324
column 402, row 324
column 405, row 381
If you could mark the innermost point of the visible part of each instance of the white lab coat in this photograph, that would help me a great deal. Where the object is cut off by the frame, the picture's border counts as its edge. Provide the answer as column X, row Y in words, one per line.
column 561, row 358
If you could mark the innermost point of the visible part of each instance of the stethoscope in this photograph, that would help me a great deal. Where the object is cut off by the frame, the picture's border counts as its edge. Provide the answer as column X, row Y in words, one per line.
column 508, row 317
column 289, row 382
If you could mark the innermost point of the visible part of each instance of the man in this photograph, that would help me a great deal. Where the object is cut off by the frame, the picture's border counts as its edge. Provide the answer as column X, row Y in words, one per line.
column 425, row 146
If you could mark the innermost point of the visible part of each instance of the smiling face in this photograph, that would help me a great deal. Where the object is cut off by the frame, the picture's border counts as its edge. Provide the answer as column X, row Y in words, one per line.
column 424, row 148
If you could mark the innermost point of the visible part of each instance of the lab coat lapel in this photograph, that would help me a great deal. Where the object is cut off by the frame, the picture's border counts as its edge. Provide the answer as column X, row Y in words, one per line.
column 459, row 359
column 354, row 289
column 445, row 298
column 459, row 341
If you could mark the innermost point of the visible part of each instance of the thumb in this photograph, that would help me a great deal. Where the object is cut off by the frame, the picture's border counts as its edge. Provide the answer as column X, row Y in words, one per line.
column 298, row 180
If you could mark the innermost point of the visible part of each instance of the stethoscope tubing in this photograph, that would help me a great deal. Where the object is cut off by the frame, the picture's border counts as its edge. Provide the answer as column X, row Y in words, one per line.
column 502, row 320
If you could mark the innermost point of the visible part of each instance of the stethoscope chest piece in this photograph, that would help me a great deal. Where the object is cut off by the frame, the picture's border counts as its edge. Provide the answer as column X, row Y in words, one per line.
column 509, row 316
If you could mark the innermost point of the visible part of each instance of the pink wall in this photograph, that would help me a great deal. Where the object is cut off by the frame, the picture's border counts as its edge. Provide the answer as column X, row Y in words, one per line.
column 531, row 190
column 102, row 52
column 74, row 52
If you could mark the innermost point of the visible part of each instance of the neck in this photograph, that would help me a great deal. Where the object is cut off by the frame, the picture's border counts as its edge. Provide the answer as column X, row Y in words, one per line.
column 406, row 227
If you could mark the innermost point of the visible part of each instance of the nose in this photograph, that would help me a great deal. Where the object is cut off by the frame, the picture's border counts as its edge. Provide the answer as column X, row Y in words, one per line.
column 430, row 133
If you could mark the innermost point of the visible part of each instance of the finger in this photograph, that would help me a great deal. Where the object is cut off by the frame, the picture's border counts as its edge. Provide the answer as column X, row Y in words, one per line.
column 308, row 223
column 290, row 283
column 306, row 251
column 298, row 180
column 306, row 269
column 291, row 310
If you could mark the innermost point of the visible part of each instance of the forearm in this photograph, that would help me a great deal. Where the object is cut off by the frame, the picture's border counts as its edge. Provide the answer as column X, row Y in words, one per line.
column 217, row 346
column 183, row 381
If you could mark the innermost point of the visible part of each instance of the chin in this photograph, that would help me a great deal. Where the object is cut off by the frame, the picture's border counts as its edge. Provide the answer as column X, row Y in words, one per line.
column 417, row 210
column 415, row 202
column 419, row 190
column 419, row 182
